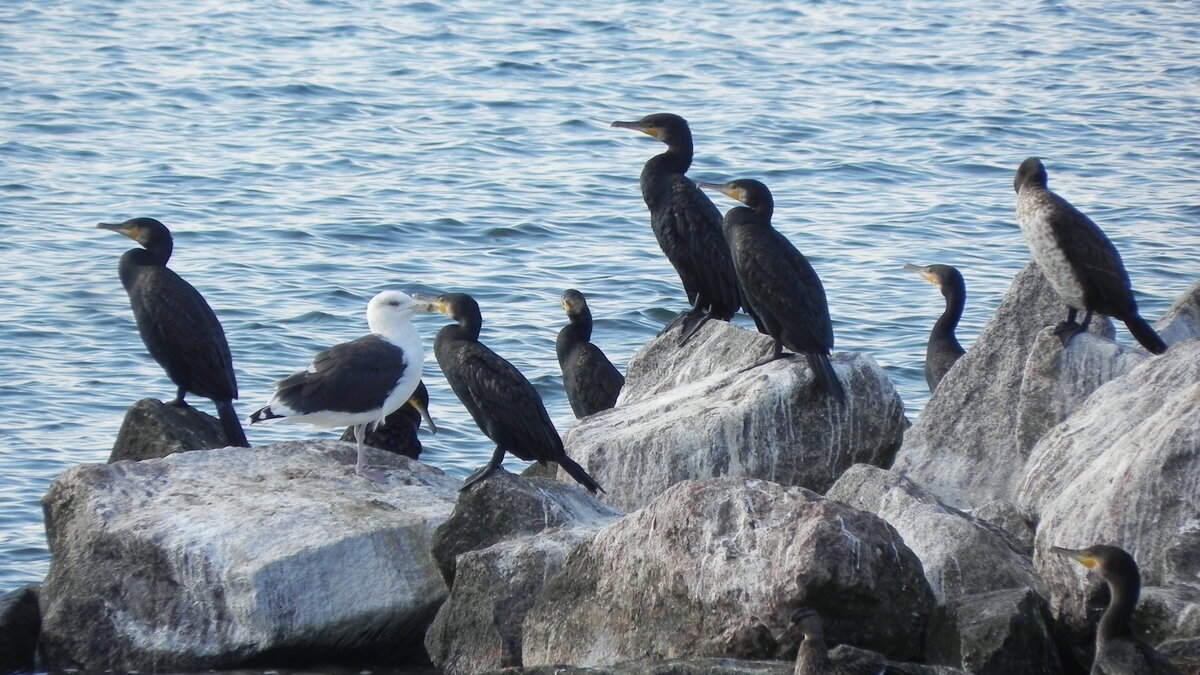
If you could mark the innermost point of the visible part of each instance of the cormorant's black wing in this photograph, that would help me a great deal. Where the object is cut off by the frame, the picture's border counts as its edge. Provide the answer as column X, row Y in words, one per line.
column 782, row 284
column 507, row 407
column 1105, row 283
column 710, row 263
column 591, row 380
column 353, row 376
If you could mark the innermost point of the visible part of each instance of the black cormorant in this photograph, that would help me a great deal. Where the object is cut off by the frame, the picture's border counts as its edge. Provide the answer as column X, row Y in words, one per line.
column 1118, row 650
column 178, row 327
column 357, row 383
column 778, row 283
column 686, row 224
column 398, row 431
column 943, row 349
column 501, row 401
column 591, row 380
column 1078, row 260
column 814, row 658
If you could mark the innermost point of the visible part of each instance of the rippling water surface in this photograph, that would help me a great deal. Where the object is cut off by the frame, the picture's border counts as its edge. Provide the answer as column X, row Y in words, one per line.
column 310, row 154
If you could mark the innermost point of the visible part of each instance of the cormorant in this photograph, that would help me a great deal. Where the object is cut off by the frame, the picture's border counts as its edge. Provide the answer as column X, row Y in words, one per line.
column 686, row 224
column 778, row 283
column 398, row 431
column 591, row 380
column 502, row 402
column 943, row 349
column 1118, row 650
column 815, row 659
column 178, row 327
column 1078, row 260
column 357, row 383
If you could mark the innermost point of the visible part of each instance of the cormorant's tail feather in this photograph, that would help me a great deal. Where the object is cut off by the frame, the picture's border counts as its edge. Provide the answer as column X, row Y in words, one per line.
column 234, row 435
column 575, row 471
column 825, row 375
column 1145, row 335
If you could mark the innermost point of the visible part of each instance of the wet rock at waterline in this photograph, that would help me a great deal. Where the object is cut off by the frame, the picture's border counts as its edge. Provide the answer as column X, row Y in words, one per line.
column 707, row 559
column 701, row 411
column 209, row 559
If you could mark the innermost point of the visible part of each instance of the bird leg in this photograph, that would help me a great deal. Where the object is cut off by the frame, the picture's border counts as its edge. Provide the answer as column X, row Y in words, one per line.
column 1069, row 329
column 688, row 331
column 676, row 320
column 178, row 401
column 775, row 355
column 485, row 470
column 360, row 466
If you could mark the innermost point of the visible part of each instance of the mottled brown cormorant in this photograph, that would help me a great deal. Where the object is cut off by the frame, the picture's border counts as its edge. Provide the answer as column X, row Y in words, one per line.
column 357, row 383
column 1118, row 650
column 686, row 224
column 814, row 658
column 943, row 349
column 178, row 327
column 778, row 283
column 1080, row 262
column 398, row 431
column 501, row 401
column 591, row 380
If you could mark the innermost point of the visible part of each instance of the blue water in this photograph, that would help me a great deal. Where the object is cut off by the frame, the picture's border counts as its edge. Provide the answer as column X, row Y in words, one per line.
column 308, row 154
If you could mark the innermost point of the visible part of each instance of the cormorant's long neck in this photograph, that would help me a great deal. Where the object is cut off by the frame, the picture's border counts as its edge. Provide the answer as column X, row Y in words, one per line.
column 581, row 323
column 469, row 324
column 135, row 259
column 1116, row 620
column 956, row 300
column 677, row 158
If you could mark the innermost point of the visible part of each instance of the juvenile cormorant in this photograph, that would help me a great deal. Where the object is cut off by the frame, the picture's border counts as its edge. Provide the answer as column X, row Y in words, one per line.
column 686, row 224
column 814, row 658
column 357, row 383
column 591, row 380
column 178, row 327
column 1118, row 650
column 943, row 349
column 1078, row 260
column 398, row 431
column 777, row 282
column 501, row 401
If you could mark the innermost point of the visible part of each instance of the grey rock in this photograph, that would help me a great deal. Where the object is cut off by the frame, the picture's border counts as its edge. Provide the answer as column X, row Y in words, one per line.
column 1182, row 320
column 505, row 506
column 153, row 429
column 961, row 555
column 995, row 633
column 1123, row 470
column 963, row 448
column 478, row 628
column 212, row 558
column 506, row 537
column 1005, row 515
column 1184, row 653
column 20, row 624
column 693, row 666
column 1057, row 380
column 700, row 411
column 707, row 559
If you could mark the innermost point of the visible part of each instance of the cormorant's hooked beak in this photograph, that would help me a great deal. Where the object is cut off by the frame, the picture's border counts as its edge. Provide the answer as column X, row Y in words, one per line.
column 120, row 228
column 727, row 189
column 420, row 407
column 636, row 126
column 923, row 271
column 430, row 305
column 1083, row 557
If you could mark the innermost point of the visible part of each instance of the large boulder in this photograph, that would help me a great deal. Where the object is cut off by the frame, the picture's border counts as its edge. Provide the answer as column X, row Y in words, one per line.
column 995, row 633
column 1182, row 320
column 154, row 429
column 960, row 554
column 210, row 559
column 963, row 448
column 20, row 624
column 1124, row 470
column 708, row 560
column 701, row 411
column 506, row 537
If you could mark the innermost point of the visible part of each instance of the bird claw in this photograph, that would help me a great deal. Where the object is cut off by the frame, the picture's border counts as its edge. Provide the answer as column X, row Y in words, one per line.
column 1067, row 330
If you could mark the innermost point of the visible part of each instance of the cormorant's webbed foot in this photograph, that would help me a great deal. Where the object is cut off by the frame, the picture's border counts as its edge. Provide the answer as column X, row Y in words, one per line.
column 691, row 323
column 178, row 401
column 674, row 322
column 1067, row 330
column 480, row 474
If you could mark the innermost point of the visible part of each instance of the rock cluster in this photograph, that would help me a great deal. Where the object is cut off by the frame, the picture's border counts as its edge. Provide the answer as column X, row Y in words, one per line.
column 737, row 494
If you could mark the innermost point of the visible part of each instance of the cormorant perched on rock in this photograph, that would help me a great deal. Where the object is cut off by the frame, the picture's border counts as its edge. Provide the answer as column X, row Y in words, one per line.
column 777, row 282
column 501, row 401
column 178, row 327
column 1078, row 260
column 591, row 380
column 815, row 659
column 1118, row 650
column 357, row 383
column 943, row 349
column 398, row 431
column 686, row 224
